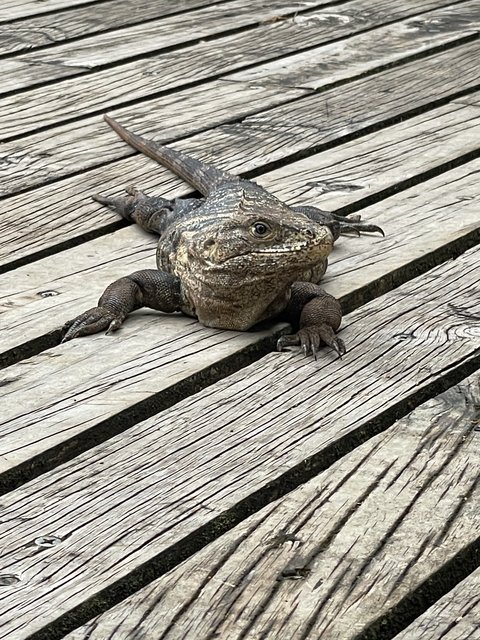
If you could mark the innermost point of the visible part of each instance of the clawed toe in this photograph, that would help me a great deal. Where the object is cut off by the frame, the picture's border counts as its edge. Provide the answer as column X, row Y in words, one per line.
column 310, row 338
column 92, row 321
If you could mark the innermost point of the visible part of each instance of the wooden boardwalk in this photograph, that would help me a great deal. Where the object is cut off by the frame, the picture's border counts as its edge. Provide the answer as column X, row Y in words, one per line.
column 177, row 482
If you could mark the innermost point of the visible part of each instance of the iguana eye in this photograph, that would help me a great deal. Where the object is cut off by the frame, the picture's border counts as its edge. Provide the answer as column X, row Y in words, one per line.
column 260, row 229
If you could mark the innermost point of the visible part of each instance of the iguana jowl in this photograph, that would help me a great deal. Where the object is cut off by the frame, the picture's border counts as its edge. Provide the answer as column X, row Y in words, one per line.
column 232, row 259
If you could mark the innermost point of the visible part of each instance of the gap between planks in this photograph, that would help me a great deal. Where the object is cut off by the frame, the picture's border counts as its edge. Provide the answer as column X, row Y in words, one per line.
column 140, row 369
column 366, row 540
column 226, row 452
column 76, row 23
column 64, row 214
column 162, row 72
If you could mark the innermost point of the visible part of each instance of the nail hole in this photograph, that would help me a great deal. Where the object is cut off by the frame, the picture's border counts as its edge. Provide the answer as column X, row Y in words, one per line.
column 47, row 541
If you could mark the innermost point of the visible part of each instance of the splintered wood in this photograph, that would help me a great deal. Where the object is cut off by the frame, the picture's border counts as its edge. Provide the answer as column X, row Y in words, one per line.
column 178, row 482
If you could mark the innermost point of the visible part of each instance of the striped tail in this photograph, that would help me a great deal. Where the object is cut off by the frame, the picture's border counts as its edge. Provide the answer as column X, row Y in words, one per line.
column 200, row 175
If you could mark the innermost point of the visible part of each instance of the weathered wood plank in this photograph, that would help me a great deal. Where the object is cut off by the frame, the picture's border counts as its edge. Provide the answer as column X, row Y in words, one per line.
column 86, row 143
column 366, row 532
column 350, row 173
column 36, row 220
column 456, row 616
column 32, row 32
column 13, row 9
column 20, row 113
column 233, row 442
column 344, row 59
column 72, row 58
column 61, row 388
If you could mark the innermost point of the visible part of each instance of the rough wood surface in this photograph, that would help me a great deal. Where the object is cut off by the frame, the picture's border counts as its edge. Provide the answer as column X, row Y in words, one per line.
column 49, row 215
column 72, row 58
column 141, row 78
column 456, row 616
column 238, row 437
column 38, row 31
column 76, row 146
column 13, row 9
column 362, row 535
column 36, row 300
column 345, row 59
column 87, row 143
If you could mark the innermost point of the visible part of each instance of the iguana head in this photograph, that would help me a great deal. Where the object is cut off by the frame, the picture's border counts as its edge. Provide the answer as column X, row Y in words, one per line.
column 251, row 231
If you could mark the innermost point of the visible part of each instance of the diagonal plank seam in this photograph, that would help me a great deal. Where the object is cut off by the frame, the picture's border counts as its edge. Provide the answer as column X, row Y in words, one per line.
column 426, row 594
column 90, row 3
column 84, row 70
column 175, row 47
column 287, row 101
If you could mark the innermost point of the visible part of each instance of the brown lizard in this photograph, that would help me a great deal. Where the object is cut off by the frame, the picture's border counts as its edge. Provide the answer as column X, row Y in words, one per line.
column 232, row 259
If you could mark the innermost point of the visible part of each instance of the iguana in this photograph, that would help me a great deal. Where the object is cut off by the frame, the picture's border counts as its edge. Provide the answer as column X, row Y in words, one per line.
column 232, row 259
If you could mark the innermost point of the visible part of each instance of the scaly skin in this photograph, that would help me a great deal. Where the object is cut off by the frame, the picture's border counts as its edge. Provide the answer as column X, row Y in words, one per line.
column 233, row 259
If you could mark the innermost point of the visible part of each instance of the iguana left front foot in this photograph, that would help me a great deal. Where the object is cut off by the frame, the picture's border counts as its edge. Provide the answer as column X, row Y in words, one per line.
column 318, row 316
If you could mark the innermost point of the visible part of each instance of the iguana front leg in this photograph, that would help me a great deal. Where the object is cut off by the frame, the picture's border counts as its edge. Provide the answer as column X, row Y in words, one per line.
column 338, row 224
column 317, row 315
column 152, row 213
column 148, row 288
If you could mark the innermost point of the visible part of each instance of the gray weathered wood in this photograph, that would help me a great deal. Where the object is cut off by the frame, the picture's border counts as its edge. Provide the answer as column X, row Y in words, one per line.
column 337, row 177
column 50, row 215
column 20, row 113
column 13, row 9
column 347, row 58
column 368, row 531
column 86, row 143
column 202, row 457
column 72, row 58
column 456, row 616
column 33, row 32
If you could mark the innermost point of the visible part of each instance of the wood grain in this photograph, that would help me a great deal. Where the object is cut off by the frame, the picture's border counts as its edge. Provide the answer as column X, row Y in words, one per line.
column 32, row 32
column 456, row 616
column 49, row 215
column 86, row 143
column 13, row 9
column 345, row 59
column 72, row 58
column 68, row 148
column 366, row 533
column 79, row 96
column 200, row 458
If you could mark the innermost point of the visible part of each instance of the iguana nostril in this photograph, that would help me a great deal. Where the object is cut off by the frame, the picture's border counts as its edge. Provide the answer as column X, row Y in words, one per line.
column 309, row 233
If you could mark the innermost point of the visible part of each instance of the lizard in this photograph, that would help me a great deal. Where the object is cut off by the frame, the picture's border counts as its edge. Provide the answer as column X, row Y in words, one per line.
column 233, row 258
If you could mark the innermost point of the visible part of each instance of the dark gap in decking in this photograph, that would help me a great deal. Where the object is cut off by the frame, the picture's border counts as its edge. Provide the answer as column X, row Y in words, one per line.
column 94, row 4
column 166, row 398
column 215, row 36
column 49, row 12
column 114, row 226
column 414, row 604
column 209, row 78
column 238, row 120
column 442, row 581
column 169, row 48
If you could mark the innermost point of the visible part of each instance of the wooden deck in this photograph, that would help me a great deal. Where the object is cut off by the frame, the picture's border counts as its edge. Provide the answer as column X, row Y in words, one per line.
column 177, row 482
